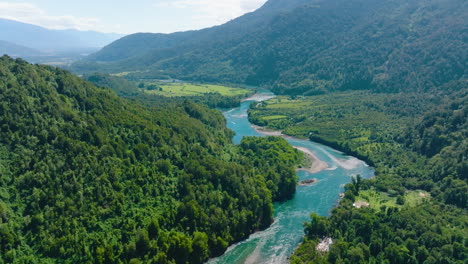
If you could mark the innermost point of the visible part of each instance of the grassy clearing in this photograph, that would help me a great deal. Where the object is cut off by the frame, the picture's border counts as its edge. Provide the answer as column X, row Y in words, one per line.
column 414, row 198
column 122, row 74
column 189, row 89
column 283, row 102
column 378, row 199
column 274, row 117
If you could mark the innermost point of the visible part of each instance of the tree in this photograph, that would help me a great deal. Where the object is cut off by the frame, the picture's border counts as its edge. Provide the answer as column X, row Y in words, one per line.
column 317, row 227
column 200, row 247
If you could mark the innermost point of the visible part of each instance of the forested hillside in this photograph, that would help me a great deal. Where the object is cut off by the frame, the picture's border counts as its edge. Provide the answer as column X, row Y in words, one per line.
column 310, row 47
column 87, row 177
column 166, row 45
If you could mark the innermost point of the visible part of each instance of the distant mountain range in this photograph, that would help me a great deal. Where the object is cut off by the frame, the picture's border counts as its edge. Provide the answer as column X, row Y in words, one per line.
column 308, row 47
column 16, row 50
column 25, row 40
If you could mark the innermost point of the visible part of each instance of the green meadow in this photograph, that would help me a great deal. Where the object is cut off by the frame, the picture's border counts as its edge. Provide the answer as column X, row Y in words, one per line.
column 378, row 199
column 190, row 89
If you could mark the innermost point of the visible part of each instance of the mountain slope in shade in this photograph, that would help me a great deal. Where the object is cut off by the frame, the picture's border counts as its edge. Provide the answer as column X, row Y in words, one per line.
column 47, row 40
column 309, row 47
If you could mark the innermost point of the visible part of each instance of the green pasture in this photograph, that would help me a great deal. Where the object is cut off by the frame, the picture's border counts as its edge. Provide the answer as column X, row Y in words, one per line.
column 122, row 74
column 378, row 199
column 189, row 89
column 274, row 117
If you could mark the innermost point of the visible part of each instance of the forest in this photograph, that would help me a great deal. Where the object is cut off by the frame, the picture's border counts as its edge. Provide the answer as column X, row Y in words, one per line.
column 417, row 143
column 88, row 177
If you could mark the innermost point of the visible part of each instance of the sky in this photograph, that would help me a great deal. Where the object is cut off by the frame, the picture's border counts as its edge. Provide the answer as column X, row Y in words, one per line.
column 127, row 16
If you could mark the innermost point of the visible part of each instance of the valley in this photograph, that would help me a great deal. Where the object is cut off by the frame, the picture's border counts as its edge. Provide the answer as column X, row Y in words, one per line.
column 298, row 132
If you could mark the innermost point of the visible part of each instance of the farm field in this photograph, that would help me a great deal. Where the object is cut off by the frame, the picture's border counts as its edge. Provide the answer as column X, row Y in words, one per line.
column 189, row 89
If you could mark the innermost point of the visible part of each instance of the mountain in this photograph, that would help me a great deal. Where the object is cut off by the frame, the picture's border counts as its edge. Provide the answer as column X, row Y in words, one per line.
column 88, row 177
column 17, row 50
column 138, row 45
column 309, row 47
column 52, row 41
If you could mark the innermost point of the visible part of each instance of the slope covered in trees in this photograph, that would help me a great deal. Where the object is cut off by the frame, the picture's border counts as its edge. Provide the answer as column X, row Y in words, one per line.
column 162, row 45
column 87, row 177
column 310, row 47
column 403, row 234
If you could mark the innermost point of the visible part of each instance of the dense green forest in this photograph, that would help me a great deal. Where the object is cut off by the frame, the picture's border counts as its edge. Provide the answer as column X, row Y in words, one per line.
column 309, row 47
column 88, row 177
column 417, row 142
column 95, row 170
column 427, row 233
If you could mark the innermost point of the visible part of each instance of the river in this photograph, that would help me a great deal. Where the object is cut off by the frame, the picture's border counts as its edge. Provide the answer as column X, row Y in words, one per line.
column 277, row 243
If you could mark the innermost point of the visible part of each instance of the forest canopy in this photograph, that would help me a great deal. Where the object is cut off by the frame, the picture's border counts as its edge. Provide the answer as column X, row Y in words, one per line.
column 87, row 177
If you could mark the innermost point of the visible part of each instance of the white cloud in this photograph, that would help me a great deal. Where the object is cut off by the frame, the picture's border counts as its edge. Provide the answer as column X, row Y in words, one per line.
column 30, row 13
column 213, row 11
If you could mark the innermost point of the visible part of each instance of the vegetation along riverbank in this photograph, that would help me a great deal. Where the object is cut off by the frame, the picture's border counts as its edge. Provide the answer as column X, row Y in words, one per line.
column 417, row 144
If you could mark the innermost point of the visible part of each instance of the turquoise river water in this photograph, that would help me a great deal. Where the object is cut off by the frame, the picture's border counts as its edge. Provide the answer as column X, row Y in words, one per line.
column 277, row 243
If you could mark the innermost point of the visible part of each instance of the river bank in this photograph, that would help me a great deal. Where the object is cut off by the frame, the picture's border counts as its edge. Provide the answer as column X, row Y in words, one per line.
column 319, row 192
column 314, row 164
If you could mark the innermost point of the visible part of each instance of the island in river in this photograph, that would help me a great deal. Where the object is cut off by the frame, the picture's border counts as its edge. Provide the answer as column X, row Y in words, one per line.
column 312, row 163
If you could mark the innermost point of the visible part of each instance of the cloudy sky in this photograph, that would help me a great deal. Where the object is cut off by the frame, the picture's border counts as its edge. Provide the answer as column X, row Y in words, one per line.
column 127, row 16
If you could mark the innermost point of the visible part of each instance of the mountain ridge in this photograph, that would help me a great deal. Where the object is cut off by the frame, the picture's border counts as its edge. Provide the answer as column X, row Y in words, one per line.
column 165, row 41
column 50, row 40
column 17, row 50
column 317, row 47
